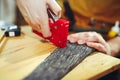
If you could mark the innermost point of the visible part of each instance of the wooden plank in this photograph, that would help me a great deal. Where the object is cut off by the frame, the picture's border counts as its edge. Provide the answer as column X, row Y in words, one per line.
column 60, row 62
column 21, row 55
column 2, row 39
column 94, row 67
column 1, row 35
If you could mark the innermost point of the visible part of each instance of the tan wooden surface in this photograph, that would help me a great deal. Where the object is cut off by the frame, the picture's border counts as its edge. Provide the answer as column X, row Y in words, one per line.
column 21, row 55
column 1, row 35
column 2, row 39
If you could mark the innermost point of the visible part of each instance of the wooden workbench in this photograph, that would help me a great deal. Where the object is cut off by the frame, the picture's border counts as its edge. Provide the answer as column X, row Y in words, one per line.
column 21, row 55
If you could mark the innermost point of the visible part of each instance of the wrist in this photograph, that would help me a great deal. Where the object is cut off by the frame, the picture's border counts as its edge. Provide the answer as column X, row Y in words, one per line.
column 115, row 46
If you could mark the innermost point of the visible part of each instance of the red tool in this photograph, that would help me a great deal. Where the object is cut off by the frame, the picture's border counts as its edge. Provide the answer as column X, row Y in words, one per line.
column 59, row 29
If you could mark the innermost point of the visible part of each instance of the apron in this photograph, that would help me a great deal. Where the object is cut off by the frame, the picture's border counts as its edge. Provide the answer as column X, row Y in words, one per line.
column 93, row 15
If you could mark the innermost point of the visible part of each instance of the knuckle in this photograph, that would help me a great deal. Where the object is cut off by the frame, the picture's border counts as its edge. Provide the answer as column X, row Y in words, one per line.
column 98, row 46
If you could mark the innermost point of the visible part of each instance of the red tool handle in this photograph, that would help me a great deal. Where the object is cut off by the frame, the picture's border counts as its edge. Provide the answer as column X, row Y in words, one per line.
column 59, row 31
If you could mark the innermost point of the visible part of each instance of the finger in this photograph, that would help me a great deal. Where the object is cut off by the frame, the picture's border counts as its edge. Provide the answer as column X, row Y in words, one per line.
column 39, row 18
column 108, row 49
column 72, row 39
column 34, row 27
column 81, row 41
column 95, row 37
column 76, row 38
column 28, row 16
column 97, row 46
column 83, row 35
column 54, row 7
column 42, row 21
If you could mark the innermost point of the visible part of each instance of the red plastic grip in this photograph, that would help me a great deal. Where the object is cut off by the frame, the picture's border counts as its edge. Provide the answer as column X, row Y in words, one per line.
column 59, row 31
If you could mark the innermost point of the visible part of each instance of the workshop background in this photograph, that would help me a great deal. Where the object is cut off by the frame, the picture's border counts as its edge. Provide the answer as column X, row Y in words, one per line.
column 84, row 15
column 91, row 15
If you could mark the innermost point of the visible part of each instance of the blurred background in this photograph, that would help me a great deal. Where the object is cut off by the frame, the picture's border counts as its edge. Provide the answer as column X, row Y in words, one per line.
column 91, row 15
column 9, row 12
column 84, row 15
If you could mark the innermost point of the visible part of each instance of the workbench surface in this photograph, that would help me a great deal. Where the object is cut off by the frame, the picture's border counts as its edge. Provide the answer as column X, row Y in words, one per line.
column 21, row 55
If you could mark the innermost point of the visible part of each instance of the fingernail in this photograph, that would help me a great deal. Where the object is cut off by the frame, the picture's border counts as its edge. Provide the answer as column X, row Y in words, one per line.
column 47, row 34
column 72, row 40
column 81, row 42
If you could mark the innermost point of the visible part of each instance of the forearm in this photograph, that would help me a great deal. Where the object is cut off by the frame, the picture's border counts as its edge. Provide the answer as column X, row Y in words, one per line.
column 115, row 46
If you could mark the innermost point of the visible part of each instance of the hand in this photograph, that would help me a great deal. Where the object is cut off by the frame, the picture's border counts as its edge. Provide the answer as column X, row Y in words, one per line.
column 115, row 46
column 35, row 13
column 91, row 39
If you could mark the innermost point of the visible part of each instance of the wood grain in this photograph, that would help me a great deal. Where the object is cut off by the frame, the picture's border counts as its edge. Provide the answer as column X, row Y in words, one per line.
column 2, row 39
column 60, row 62
column 21, row 56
